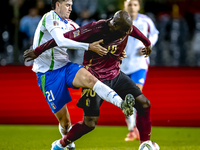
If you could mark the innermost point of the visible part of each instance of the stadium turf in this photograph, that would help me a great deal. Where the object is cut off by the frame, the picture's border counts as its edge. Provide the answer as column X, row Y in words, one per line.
column 40, row 137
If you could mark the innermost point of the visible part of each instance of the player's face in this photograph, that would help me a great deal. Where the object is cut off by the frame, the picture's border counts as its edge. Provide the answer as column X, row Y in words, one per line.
column 64, row 9
column 132, row 7
column 119, row 28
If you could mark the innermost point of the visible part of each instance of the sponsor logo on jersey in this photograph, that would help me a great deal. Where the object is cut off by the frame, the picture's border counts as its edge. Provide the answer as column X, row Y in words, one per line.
column 76, row 33
column 55, row 23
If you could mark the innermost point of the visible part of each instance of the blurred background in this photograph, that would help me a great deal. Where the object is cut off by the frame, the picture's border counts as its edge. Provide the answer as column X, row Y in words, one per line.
column 173, row 79
column 178, row 22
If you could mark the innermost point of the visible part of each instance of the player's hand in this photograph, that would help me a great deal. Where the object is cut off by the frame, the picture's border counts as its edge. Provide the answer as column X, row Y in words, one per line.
column 97, row 48
column 123, row 55
column 29, row 55
column 146, row 51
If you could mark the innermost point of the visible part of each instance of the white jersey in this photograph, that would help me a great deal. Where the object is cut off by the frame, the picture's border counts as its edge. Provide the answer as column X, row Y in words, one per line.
column 134, row 62
column 56, row 57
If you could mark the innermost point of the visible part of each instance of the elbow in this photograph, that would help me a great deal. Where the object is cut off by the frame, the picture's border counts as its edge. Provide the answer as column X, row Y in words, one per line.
column 59, row 42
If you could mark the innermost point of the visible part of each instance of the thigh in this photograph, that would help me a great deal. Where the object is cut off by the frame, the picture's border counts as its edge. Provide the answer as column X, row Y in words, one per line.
column 54, row 89
column 84, row 79
column 71, row 72
column 123, row 85
column 90, row 102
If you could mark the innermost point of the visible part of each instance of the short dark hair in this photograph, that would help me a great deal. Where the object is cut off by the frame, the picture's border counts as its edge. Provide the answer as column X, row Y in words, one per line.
column 53, row 3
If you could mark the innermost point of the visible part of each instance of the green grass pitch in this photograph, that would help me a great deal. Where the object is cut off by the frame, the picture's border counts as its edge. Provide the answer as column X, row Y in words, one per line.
column 40, row 137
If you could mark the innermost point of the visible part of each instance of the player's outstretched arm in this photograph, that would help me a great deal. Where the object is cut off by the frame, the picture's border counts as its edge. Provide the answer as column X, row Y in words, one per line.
column 32, row 54
column 29, row 55
column 95, row 46
column 136, row 33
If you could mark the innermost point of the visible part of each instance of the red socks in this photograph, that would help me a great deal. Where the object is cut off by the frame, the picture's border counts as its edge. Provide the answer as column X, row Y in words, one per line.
column 144, row 125
column 77, row 130
column 80, row 128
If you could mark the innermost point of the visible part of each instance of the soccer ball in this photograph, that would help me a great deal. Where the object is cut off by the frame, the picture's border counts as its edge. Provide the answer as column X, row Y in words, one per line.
column 149, row 145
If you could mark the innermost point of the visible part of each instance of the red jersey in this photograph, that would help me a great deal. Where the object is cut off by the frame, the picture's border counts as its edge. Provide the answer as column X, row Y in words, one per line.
column 102, row 67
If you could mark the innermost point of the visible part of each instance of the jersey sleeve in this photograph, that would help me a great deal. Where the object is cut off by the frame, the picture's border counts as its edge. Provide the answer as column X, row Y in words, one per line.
column 82, row 33
column 136, row 33
column 153, row 32
column 79, row 34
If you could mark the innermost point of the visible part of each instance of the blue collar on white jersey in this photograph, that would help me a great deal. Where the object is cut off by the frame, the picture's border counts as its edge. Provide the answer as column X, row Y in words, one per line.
column 65, row 21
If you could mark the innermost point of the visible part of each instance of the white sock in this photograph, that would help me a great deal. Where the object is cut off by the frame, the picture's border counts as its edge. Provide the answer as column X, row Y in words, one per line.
column 107, row 94
column 58, row 143
column 71, row 145
column 131, row 120
column 134, row 116
column 62, row 131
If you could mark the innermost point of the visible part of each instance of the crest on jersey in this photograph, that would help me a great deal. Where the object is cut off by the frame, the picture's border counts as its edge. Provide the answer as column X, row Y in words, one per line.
column 55, row 23
column 53, row 105
column 76, row 33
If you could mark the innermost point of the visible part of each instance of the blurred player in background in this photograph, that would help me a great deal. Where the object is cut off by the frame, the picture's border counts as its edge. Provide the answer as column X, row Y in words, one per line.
column 114, row 32
column 135, row 65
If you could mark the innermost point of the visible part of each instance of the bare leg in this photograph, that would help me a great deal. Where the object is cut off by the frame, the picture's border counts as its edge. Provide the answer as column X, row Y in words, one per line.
column 131, row 123
column 85, row 79
column 64, row 123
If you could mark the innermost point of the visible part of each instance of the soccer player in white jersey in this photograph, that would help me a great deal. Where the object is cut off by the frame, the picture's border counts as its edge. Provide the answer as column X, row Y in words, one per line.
column 135, row 65
column 55, row 72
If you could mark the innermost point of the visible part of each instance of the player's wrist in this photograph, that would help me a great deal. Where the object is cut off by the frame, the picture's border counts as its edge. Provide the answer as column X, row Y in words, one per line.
column 36, row 52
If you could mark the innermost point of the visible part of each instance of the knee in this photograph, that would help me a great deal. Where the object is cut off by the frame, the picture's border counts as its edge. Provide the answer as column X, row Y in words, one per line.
column 65, row 123
column 144, row 101
column 147, row 103
column 91, row 122
column 142, row 105
column 91, row 80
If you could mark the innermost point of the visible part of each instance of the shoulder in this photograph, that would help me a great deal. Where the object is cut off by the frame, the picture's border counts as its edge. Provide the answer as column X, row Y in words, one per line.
column 73, row 24
column 102, row 21
column 49, row 14
column 144, row 17
column 100, row 24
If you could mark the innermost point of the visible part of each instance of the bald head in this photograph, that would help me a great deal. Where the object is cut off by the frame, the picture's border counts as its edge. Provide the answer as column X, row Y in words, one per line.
column 122, row 17
column 121, row 22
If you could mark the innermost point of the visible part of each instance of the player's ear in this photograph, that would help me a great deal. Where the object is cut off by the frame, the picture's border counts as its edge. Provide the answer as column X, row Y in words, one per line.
column 129, row 31
column 57, row 4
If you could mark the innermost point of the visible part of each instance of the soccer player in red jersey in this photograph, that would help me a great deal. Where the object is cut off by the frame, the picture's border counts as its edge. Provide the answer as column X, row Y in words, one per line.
column 114, row 32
